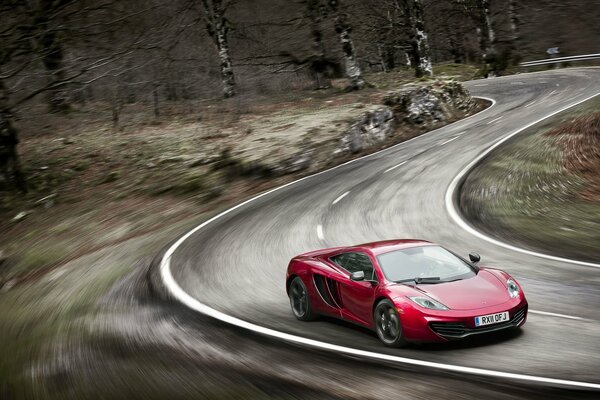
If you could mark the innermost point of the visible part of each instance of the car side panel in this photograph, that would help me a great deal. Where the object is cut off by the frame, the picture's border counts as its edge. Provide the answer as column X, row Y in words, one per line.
column 315, row 276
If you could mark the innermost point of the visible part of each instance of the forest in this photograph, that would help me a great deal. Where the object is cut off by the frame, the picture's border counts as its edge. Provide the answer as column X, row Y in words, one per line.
column 60, row 56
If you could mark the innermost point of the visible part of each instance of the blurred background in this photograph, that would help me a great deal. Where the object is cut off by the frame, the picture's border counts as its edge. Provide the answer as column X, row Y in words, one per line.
column 125, row 123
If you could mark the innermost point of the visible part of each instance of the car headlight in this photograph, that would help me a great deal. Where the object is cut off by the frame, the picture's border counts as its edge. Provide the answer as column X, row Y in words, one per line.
column 513, row 288
column 428, row 303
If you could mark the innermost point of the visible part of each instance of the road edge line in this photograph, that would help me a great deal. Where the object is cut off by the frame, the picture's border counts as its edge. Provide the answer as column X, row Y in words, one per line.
column 184, row 298
column 453, row 189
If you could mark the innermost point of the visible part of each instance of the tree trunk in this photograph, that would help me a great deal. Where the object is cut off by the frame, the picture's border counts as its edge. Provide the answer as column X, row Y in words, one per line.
column 386, row 55
column 382, row 59
column 456, row 47
column 116, row 107
column 218, row 31
column 52, row 58
column 487, row 38
column 9, row 156
column 342, row 27
column 319, row 64
column 413, row 11
column 155, row 101
column 513, row 18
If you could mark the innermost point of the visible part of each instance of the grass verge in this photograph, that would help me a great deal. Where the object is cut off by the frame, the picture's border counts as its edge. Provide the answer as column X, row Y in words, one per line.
column 541, row 191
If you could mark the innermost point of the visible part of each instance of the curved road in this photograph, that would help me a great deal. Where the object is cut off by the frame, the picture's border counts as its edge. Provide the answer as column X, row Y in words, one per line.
column 237, row 263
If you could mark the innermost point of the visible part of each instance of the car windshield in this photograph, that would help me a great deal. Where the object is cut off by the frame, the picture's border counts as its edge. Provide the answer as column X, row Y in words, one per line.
column 425, row 264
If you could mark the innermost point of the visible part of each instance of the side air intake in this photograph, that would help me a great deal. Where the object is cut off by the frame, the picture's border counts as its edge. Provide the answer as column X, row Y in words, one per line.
column 328, row 289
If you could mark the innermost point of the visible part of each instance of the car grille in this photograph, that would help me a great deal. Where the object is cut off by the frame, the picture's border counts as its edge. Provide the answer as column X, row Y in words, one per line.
column 460, row 330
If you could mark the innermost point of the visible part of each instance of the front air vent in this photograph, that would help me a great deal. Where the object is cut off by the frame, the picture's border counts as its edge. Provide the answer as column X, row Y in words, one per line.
column 519, row 316
column 452, row 329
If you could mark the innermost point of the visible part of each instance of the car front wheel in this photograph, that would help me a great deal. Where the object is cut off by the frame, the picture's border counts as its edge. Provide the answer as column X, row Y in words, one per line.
column 388, row 325
column 300, row 301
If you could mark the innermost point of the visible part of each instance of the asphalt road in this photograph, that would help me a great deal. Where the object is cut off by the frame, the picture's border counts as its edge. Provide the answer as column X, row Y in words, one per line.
column 237, row 263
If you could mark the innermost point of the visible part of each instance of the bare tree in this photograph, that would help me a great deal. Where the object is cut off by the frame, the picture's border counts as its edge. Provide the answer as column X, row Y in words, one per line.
column 487, row 36
column 421, row 59
column 343, row 28
column 315, row 12
column 382, row 24
column 53, row 55
column 28, row 39
column 217, row 26
column 479, row 10
column 513, row 18
column 9, row 157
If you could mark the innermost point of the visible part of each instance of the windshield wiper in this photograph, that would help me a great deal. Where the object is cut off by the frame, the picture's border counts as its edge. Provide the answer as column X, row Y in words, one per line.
column 428, row 279
column 417, row 280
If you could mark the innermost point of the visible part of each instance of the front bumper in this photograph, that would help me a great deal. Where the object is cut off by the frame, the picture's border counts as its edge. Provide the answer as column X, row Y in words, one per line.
column 421, row 325
column 459, row 330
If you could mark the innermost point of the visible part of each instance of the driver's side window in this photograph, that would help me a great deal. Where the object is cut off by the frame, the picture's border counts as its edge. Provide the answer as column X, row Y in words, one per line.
column 354, row 262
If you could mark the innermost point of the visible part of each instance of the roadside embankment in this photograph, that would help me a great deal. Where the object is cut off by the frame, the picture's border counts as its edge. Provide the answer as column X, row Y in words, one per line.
column 541, row 190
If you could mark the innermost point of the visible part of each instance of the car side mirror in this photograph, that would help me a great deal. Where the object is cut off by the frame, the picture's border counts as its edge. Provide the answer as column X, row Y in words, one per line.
column 358, row 276
column 474, row 257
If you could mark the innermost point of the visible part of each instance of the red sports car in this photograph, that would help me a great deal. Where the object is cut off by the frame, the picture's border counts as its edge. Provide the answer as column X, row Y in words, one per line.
column 406, row 290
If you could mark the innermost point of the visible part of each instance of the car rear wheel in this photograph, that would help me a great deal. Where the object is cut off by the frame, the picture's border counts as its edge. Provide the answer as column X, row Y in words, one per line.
column 300, row 301
column 388, row 325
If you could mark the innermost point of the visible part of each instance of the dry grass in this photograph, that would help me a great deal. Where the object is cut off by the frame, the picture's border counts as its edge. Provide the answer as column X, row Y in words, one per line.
column 579, row 140
column 107, row 186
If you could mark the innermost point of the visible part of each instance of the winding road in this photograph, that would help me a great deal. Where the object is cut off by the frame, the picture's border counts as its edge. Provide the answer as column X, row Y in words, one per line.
column 235, row 264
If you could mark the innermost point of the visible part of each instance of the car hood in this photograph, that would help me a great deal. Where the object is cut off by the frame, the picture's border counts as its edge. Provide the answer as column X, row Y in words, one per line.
column 482, row 290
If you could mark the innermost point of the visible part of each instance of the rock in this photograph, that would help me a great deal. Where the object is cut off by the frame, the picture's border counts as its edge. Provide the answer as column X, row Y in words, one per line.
column 372, row 128
column 8, row 285
column 67, row 141
column 47, row 201
column 44, row 168
column 300, row 162
column 20, row 216
column 150, row 165
column 111, row 177
column 170, row 159
column 416, row 105
column 175, row 159
column 197, row 162
column 427, row 104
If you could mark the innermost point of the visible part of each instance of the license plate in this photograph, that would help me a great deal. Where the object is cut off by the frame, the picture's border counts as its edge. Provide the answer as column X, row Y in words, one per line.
column 491, row 319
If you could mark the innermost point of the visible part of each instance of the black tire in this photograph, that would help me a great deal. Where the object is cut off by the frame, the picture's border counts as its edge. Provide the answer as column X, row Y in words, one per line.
column 387, row 324
column 300, row 300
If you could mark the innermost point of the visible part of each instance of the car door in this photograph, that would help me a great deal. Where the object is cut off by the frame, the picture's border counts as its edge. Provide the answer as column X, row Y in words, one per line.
column 356, row 296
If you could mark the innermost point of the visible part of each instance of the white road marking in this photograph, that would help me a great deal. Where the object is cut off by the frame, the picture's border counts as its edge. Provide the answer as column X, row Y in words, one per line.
column 517, row 83
column 320, row 232
column 481, row 84
column 454, row 214
column 530, row 104
column 556, row 315
column 184, row 298
column 340, row 198
column 448, row 141
column 551, row 93
column 494, row 120
column 394, row 167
